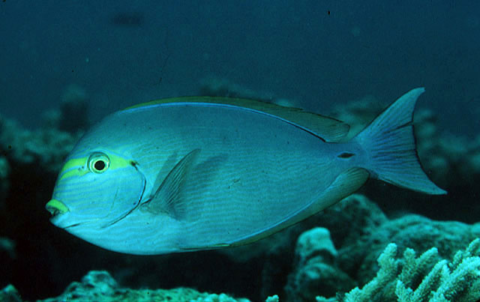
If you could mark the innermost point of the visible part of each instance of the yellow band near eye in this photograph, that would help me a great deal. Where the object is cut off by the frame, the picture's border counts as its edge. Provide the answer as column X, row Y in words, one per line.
column 76, row 172
column 73, row 163
column 73, row 167
column 81, row 166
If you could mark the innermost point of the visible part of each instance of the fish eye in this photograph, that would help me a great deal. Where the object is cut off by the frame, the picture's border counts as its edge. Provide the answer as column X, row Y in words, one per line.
column 98, row 162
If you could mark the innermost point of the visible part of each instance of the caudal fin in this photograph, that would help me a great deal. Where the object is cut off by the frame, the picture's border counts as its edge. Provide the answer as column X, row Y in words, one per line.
column 391, row 150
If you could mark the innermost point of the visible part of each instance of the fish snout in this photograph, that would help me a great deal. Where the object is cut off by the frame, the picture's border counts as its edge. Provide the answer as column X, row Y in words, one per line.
column 56, row 207
column 59, row 213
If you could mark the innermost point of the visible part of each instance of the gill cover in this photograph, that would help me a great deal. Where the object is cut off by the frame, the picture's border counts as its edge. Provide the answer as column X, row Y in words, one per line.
column 102, row 188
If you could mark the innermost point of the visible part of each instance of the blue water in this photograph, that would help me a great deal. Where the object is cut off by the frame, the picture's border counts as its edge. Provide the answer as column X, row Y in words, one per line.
column 317, row 53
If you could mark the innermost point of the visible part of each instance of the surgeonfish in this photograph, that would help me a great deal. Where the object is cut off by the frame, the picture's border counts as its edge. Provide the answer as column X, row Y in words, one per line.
column 199, row 173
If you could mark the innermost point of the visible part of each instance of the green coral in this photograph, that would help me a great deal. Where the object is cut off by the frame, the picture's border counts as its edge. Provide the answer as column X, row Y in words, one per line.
column 273, row 298
column 413, row 279
column 388, row 270
column 10, row 294
column 100, row 286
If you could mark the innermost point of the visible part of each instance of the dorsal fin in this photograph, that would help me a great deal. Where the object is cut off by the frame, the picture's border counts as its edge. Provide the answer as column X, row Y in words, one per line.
column 331, row 130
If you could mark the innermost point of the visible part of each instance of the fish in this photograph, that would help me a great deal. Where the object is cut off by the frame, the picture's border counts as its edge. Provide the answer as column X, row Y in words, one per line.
column 200, row 173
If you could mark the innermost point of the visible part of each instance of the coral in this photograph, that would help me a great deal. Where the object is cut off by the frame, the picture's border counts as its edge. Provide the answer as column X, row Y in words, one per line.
column 360, row 243
column 4, row 182
column 421, row 279
column 315, row 257
column 4, row 169
column 10, row 294
column 100, row 286
column 7, row 246
column 43, row 148
column 273, row 298
column 452, row 157
column 412, row 231
column 387, row 272
column 349, row 222
column 315, row 241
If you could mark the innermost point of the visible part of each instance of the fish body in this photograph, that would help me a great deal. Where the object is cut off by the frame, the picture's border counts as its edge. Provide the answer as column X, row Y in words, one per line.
column 203, row 173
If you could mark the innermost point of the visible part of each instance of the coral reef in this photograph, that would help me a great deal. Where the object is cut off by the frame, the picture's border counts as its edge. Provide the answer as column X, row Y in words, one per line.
column 350, row 223
column 10, row 294
column 44, row 148
column 453, row 157
column 7, row 248
column 355, row 261
column 316, row 268
column 100, row 286
column 415, row 232
column 423, row 278
column 4, row 182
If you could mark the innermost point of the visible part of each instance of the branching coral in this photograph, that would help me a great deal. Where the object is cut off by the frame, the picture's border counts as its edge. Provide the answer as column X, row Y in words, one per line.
column 413, row 279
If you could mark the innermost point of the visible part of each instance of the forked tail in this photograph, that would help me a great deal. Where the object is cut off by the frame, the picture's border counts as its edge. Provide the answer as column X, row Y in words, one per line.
column 391, row 150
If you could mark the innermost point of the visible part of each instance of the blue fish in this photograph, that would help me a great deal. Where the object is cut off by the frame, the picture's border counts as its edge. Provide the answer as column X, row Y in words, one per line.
column 200, row 173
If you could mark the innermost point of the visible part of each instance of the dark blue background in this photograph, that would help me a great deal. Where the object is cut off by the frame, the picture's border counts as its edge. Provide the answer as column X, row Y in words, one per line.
column 292, row 49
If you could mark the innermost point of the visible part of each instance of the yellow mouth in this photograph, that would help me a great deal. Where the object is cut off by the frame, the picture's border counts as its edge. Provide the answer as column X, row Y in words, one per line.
column 56, row 207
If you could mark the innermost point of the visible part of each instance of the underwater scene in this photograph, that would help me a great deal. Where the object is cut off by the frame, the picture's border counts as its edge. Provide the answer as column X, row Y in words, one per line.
column 240, row 151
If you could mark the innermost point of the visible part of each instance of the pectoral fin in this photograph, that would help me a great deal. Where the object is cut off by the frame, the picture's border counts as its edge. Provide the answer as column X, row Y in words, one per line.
column 168, row 198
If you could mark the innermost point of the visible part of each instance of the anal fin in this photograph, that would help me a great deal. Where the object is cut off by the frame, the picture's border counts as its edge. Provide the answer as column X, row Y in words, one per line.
column 344, row 185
